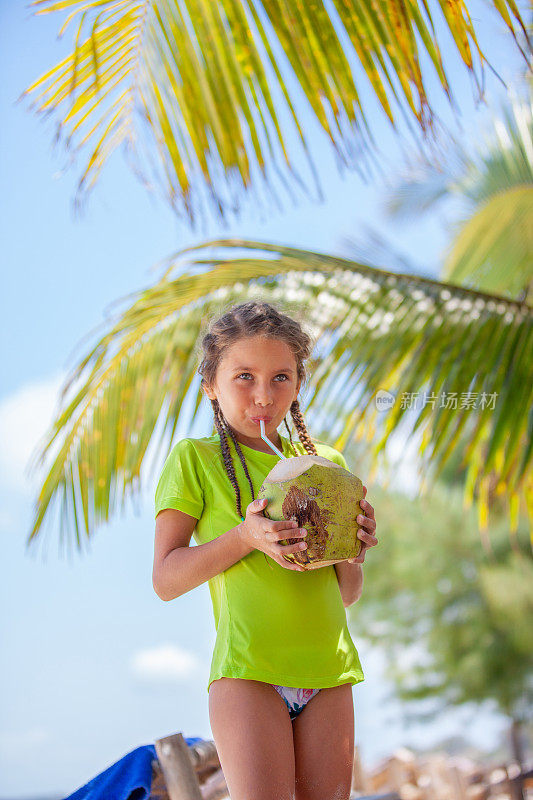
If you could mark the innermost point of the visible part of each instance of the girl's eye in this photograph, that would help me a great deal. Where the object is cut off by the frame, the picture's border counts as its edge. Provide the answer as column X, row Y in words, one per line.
column 282, row 374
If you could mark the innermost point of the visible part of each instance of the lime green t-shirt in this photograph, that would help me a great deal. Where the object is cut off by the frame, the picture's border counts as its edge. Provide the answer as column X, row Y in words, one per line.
column 273, row 624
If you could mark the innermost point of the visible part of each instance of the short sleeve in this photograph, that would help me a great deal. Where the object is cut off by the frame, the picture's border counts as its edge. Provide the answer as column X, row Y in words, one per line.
column 180, row 484
column 339, row 459
column 333, row 455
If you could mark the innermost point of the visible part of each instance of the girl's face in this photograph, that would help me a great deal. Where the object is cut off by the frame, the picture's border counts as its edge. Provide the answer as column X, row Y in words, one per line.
column 256, row 377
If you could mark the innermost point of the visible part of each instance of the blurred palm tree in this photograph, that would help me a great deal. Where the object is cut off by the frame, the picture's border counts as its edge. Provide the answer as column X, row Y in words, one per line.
column 374, row 330
column 200, row 84
column 491, row 247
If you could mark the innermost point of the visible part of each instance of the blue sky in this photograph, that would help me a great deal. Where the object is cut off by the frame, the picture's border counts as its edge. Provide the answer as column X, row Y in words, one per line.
column 93, row 664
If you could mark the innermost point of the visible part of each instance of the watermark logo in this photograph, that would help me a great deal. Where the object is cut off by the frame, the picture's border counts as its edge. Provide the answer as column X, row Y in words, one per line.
column 454, row 400
column 384, row 400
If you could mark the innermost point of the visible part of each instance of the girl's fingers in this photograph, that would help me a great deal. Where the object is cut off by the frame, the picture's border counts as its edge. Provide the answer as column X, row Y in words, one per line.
column 366, row 523
column 289, row 549
column 367, row 509
column 284, row 525
column 366, row 536
column 361, row 557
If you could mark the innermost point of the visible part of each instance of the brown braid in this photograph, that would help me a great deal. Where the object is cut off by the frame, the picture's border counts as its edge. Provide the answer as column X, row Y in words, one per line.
column 300, row 426
column 223, row 428
column 253, row 318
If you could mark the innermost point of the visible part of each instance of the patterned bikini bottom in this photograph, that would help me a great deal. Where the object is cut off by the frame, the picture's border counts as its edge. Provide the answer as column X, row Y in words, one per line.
column 295, row 699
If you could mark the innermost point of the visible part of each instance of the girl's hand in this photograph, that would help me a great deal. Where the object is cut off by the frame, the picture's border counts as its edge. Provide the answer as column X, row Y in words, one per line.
column 263, row 534
column 367, row 531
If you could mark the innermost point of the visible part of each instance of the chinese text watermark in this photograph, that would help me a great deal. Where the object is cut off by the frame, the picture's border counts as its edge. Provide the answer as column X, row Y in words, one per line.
column 455, row 400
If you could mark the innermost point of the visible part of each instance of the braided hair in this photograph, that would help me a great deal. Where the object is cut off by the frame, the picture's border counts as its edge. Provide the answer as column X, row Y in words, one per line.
column 253, row 318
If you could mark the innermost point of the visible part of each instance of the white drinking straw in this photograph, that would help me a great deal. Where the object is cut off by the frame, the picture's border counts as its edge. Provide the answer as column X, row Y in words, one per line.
column 269, row 443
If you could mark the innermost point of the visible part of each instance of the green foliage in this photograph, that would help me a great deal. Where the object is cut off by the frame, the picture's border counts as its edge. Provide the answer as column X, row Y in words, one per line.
column 491, row 247
column 453, row 619
column 374, row 329
column 196, row 91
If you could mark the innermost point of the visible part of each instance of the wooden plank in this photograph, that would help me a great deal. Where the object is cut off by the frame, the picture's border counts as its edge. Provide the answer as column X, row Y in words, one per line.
column 204, row 756
column 215, row 787
column 212, row 782
column 177, row 767
column 158, row 790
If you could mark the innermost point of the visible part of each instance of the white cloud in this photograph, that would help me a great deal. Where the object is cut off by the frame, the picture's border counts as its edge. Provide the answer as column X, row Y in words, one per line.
column 25, row 417
column 166, row 662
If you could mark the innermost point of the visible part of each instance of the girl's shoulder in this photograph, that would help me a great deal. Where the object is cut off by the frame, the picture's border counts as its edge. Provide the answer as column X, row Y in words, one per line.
column 204, row 449
column 204, row 443
column 323, row 449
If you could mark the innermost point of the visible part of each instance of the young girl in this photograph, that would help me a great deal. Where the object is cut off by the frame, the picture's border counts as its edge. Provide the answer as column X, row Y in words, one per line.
column 280, row 686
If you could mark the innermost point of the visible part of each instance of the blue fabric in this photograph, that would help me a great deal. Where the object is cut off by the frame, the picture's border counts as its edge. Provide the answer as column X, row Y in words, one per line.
column 130, row 778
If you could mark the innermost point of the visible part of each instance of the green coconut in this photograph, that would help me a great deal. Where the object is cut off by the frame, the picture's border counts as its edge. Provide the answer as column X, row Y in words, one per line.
column 321, row 497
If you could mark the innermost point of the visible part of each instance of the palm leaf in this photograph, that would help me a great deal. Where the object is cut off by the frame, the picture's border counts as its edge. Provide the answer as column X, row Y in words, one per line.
column 373, row 329
column 492, row 245
column 198, row 83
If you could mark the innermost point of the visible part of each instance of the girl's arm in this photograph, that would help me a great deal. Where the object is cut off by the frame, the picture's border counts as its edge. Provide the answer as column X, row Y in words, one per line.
column 349, row 572
column 350, row 578
column 179, row 568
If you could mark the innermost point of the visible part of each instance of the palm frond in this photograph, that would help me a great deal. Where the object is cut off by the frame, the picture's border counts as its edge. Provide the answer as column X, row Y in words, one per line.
column 374, row 330
column 494, row 248
column 492, row 245
column 197, row 85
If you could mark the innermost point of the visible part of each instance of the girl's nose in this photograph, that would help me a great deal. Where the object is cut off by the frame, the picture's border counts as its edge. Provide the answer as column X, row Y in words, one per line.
column 263, row 396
